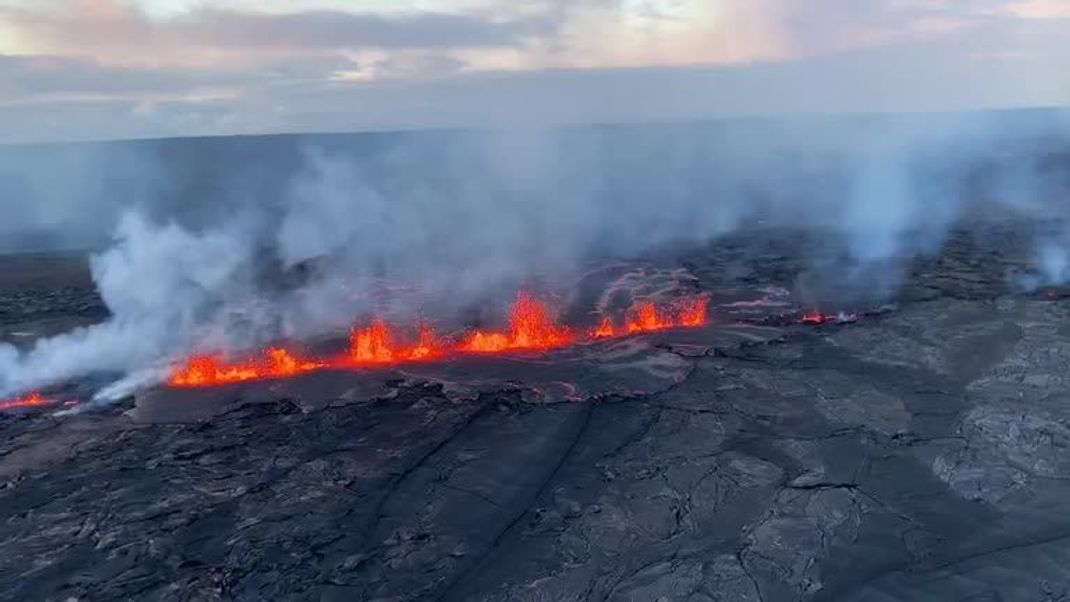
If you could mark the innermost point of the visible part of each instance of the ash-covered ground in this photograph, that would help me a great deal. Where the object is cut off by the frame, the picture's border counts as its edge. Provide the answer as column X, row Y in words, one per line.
column 918, row 453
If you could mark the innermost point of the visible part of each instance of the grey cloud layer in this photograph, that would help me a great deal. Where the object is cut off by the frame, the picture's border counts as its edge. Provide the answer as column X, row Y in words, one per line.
column 278, row 76
column 925, row 78
column 28, row 76
column 334, row 29
column 117, row 24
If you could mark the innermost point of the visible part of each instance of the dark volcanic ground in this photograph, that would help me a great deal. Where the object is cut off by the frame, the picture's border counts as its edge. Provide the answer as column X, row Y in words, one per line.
column 920, row 453
column 42, row 295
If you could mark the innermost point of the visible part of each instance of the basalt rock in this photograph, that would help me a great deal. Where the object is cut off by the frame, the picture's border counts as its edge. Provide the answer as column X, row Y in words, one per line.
column 915, row 454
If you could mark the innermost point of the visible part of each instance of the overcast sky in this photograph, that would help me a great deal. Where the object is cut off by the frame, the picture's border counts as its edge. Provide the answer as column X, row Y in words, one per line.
column 78, row 69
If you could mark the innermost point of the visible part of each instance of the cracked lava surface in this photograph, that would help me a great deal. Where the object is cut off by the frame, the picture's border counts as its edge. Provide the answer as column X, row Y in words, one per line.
column 918, row 454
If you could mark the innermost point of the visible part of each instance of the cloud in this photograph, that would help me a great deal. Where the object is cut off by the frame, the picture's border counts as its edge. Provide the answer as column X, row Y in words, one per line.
column 933, row 77
column 121, row 33
column 1042, row 9
column 409, row 65
column 337, row 29
column 50, row 75
column 37, row 79
column 107, row 68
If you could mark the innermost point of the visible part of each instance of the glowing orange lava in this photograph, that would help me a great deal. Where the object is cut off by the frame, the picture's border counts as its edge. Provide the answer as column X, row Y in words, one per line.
column 647, row 317
column 208, row 370
column 694, row 312
column 32, row 400
column 372, row 345
column 427, row 346
column 605, row 330
column 486, row 342
column 376, row 344
column 532, row 327
column 816, row 318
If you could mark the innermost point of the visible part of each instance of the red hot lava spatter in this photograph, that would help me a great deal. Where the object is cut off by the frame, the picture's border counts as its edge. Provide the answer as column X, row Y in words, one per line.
column 532, row 327
column 816, row 318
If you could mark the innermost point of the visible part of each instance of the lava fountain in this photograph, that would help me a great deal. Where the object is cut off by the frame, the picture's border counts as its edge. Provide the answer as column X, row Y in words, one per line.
column 532, row 327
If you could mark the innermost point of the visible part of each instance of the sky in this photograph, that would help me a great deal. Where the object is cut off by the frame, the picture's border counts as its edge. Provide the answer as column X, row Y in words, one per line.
column 103, row 69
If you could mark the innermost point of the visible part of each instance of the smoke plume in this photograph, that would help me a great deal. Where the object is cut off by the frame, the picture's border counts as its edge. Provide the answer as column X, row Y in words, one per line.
column 233, row 243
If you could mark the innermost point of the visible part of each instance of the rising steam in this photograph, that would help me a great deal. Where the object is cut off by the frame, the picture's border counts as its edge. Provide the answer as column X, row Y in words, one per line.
column 434, row 223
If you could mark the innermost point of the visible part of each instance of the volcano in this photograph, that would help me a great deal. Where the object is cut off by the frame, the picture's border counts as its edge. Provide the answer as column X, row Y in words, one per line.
column 531, row 329
column 679, row 429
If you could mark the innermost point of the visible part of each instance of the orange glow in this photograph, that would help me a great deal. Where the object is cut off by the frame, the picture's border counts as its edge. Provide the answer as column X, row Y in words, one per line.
column 646, row 317
column 532, row 327
column 605, row 329
column 372, row 345
column 694, row 312
column 427, row 346
column 816, row 318
column 281, row 363
column 486, row 342
column 204, row 370
column 376, row 344
column 649, row 317
column 32, row 400
column 208, row 370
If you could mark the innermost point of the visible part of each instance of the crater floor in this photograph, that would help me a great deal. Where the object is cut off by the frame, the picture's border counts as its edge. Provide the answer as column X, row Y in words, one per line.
column 917, row 454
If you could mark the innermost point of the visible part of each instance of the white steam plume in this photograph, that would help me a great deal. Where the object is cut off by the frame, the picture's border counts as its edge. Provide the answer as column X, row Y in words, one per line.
column 435, row 222
column 166, row 288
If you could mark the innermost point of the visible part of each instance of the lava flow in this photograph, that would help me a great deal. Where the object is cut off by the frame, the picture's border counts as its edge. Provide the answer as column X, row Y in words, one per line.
column 32, row 400
column 816, row 318
column 208, row 370
column 531, row 328
column 649, row 317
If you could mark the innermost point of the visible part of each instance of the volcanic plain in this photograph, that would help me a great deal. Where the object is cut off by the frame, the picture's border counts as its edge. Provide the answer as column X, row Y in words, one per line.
column 910, row 447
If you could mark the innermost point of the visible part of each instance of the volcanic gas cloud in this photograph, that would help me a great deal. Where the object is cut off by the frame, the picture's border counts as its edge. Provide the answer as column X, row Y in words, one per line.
column 532, row 327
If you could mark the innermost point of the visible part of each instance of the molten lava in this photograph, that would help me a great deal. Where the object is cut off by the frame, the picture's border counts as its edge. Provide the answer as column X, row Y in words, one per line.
column 209, row 370
column 427, row 346
column 816, row 318
column 605, row 330
column 685, row 313
column 647, row 317
column 532, row 327
column 376, row 344
column 694, row 312
column 32, row 400
column 372, row 345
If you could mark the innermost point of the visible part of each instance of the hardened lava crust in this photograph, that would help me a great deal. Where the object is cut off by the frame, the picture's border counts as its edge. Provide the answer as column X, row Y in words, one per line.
column 916, row 451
